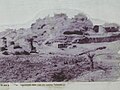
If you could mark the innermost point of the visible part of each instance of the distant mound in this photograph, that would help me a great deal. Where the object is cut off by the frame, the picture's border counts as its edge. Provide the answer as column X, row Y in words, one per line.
column 49, row 30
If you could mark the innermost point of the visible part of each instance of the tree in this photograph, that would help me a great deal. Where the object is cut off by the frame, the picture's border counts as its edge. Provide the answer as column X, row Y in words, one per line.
column 31, row 40
column 82, row 22
column 4, row 47
column 91, row 56
column 4, row 42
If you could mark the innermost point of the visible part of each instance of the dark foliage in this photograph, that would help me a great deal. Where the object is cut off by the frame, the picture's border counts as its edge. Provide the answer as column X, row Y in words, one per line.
column 21, row 53
column 73, row 32
column 12, row 43
column 17, row 53
column 96, row 28
column 100, row 48
column 25, row 53
column 5, row 53
column 59, row 77
column 4, row 38
column 33, row 50
column 3, row 48
column 16, row 47
column 43, row 26
column 111, row 29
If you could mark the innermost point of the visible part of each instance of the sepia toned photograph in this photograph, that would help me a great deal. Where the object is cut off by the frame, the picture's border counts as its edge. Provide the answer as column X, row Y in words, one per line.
column 60, row 45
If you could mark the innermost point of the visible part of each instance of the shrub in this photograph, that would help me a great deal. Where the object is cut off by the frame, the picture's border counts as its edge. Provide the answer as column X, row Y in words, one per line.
column 16, row 47
column 22, row 53
column 5, row 53
column 59, row 76
column 96, row 28
column 12, row 43
column 3, row 48
column 25, row 53
column 73, row 32
column 17, row 53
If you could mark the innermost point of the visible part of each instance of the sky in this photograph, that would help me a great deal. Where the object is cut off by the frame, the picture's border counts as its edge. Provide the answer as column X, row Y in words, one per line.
column 21, row 12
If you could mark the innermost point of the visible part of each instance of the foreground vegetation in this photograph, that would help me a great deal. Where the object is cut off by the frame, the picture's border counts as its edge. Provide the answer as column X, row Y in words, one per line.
column 52, row 68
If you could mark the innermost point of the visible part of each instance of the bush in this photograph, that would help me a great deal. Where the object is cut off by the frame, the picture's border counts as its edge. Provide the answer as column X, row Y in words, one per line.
column 96, row 28
column 17, row 53
column 5, row 53
column 25, row 53
column 59, row 76
column 3, row 48
column 73, row 32
column 21, row 53
column 16, row 47
column 12, row 43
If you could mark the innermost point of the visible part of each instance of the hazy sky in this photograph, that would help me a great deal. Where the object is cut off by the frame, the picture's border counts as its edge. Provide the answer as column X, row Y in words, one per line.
column 22, row 11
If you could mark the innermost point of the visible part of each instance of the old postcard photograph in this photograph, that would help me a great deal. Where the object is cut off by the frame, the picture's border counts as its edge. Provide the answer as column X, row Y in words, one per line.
column 59, row 44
